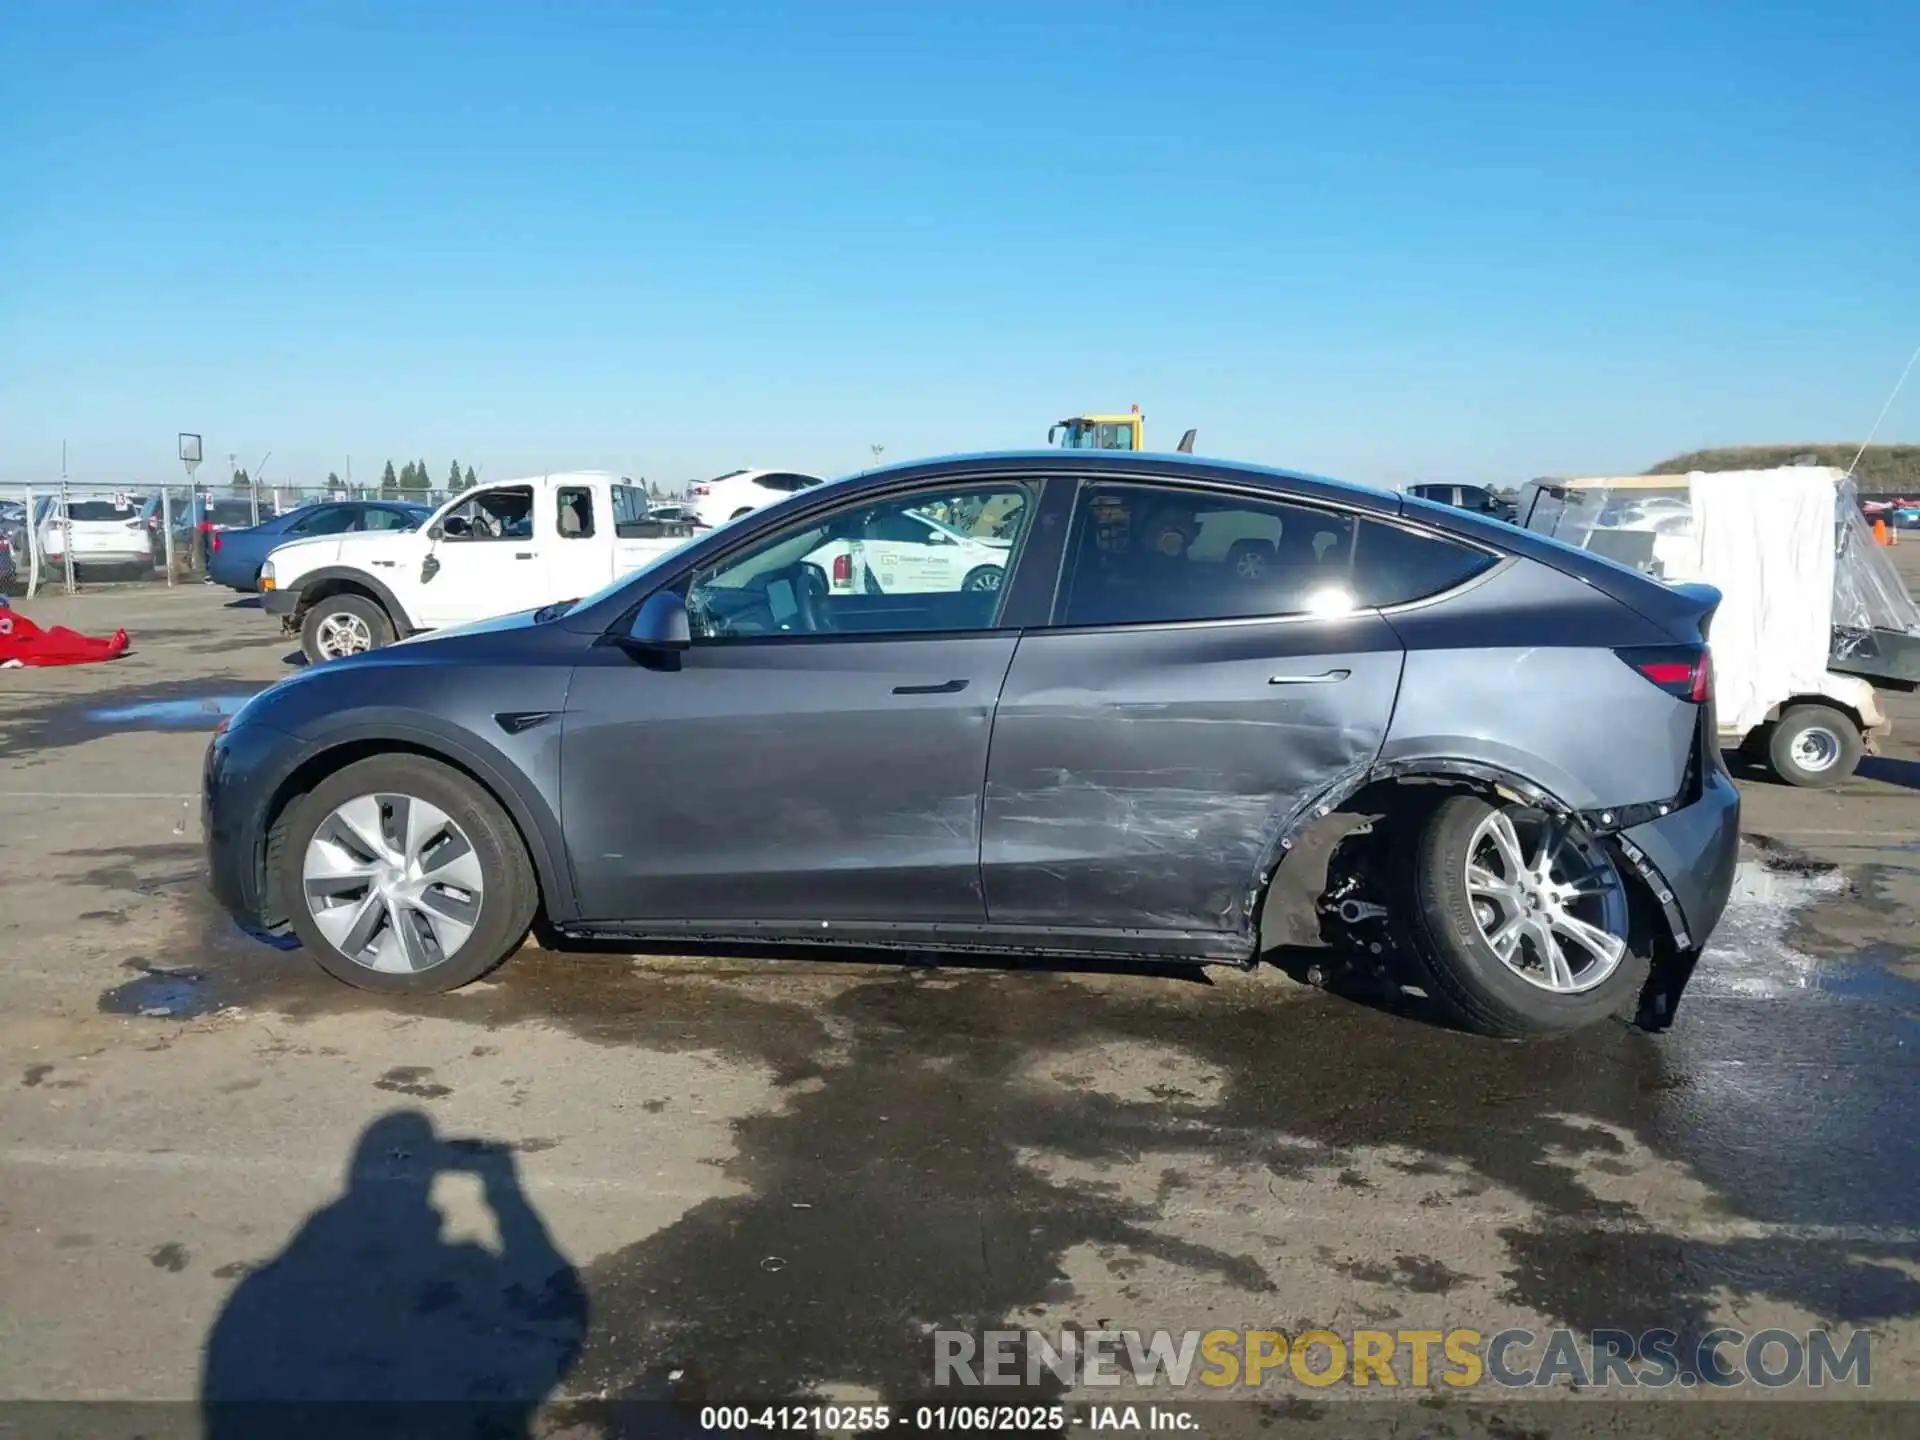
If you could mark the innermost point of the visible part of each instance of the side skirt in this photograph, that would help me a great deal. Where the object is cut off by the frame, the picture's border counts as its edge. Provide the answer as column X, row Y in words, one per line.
column 1143, row 947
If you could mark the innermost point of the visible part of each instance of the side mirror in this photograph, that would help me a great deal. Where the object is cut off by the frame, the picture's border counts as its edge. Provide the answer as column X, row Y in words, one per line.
column 438, row 532
column 661, row 623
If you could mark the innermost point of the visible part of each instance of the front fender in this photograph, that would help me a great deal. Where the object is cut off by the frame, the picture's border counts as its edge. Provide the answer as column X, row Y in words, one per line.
column 514, row 782
column 403, row 622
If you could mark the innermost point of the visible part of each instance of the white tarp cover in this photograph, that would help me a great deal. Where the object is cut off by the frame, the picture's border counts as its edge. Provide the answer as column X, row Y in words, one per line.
column 1765, row 541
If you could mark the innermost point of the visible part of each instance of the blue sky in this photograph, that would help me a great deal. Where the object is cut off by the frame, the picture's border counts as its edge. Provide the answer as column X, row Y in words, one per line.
column 1387, row 241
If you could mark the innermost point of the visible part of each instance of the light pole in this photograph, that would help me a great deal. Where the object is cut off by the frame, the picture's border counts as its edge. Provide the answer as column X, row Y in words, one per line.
column 190, row 456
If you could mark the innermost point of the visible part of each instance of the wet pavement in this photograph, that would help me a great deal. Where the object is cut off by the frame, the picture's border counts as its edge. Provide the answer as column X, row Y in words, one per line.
column 775, row 1175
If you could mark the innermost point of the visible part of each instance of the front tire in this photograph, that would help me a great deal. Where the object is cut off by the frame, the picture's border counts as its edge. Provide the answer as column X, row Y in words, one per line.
column 1814, row 747
column 343, row 625
column 1520, row 925
column 983, row 580
column 405, row 877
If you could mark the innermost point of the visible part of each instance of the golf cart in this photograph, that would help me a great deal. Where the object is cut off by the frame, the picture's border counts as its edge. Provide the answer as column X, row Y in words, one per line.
column 1812, row 609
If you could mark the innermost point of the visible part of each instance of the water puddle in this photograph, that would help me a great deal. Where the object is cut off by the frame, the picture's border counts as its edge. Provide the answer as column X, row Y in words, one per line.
column 157, row 994
column 203, row 713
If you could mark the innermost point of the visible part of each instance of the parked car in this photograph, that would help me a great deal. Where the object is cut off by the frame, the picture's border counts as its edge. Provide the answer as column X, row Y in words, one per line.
column 673, row 512
column 907, row 552
column 235, row 556
column 1475, row 498
column 741, row 492
column 498, row 548
column 1508, row 744
column 109, row 534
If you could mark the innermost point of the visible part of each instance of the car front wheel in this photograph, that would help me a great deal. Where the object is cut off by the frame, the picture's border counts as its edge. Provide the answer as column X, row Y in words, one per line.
column 343, row 625
column 982, row 580
column 406, row 877
column 1521, row 923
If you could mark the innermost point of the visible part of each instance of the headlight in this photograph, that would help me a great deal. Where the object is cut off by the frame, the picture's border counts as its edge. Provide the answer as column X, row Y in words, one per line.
column 266, row 575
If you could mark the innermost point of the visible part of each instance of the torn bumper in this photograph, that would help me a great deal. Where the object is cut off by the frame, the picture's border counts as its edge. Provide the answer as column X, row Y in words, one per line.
column 1688, row 857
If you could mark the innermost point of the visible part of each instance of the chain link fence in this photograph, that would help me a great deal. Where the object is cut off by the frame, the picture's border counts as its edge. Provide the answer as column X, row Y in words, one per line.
column 60, row 538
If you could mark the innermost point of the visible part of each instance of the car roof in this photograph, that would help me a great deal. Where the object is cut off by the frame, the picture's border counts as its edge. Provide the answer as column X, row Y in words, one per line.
column 1129, row 464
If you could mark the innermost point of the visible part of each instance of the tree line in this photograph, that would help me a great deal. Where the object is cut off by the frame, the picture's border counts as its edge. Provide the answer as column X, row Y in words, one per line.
column 412, row 478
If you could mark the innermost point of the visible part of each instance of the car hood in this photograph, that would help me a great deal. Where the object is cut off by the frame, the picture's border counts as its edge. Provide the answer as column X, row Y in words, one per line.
column 296, row 557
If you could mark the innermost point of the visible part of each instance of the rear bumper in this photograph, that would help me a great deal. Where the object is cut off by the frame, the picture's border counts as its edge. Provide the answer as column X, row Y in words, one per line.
column 1693, row 852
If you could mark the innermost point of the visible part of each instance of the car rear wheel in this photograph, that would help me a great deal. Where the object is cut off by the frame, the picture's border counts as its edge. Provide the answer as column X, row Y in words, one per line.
column 405, row 877
column 343, row 625
column 1814, row 746
column 1521, row 923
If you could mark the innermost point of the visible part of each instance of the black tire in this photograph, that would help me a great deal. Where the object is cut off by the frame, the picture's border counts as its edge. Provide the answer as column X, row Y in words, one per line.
column 509, row 899
column 976, row 581
column 1459, row 970
column 1808, row 730
column 367, row 611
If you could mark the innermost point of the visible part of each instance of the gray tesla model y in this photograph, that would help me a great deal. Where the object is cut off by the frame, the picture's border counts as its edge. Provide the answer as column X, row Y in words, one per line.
column 1135, row 706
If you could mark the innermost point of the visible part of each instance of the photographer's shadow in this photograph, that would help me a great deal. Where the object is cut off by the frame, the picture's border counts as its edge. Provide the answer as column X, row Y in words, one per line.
column 370, row 1304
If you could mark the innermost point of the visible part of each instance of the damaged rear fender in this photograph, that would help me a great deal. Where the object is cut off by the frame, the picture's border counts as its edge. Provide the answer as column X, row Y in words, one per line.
column 1294, row 840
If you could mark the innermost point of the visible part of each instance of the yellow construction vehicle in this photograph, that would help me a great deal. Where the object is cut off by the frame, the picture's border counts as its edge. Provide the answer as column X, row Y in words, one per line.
column 1108, row 432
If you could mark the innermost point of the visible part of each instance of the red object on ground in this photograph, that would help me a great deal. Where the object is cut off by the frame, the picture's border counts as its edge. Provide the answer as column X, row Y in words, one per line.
column 26, row 643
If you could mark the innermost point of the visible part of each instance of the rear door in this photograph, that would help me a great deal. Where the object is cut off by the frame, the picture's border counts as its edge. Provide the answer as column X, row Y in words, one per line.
column 1150, row 741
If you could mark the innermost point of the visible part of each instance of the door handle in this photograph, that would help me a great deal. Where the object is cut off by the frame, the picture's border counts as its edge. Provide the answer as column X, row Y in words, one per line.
column 1325, row 677
column 949, row 687
column 523, row 554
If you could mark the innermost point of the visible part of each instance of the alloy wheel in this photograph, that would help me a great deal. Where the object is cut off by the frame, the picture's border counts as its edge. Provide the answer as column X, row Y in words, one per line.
column 343, row 634
column 1547, row 900
column 393, row 883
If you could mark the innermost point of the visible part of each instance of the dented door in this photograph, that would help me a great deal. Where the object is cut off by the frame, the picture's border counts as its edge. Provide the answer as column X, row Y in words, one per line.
column 1138, row 776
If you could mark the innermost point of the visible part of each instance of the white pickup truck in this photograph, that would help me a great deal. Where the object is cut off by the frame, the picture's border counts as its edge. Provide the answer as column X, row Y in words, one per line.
column 497, row 549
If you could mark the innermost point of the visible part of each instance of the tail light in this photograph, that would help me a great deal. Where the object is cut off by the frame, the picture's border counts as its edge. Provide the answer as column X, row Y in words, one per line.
column 1683, row 671
column 214, row 541
column 842, row 570
column 697, row 491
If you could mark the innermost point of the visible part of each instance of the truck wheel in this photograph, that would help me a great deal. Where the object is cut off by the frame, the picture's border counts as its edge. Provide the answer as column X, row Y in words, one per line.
column 405, row 877
column 1520, row 924
column 1814, row 746
column 343, row 625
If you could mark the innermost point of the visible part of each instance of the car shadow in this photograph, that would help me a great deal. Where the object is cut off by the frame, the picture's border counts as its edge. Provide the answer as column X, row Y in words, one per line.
column 296, row 659
column 245, row 602
column 373, row 1322
column 558, row 944
column 1890, row 770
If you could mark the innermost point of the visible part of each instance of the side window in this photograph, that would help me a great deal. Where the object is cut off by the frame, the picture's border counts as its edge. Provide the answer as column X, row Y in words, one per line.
column 873, row 568
column 386, row 520
column 1392, row 565
column 573, row 512
column 1142, row 554
column 502, row 514
column 327, row 520
column 786, row 484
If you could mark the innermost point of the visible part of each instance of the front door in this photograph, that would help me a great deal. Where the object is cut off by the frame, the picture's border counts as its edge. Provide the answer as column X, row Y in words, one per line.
column 485, row 562
column 1150, row 743
column 816, row 756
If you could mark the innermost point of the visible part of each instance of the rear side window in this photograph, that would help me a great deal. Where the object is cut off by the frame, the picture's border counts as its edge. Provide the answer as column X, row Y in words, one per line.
column 390, row 520
column 100, row 510
column 1392, row 566
column 334, row 520
column 573, row 513
column 1143, row 554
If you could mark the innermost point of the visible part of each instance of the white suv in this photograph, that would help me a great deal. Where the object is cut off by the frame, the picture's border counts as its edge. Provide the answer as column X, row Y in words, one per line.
column 108, row 533
column 739, row 492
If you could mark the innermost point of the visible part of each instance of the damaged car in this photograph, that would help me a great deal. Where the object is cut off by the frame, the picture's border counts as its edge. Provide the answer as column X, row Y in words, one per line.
column 1209, row 709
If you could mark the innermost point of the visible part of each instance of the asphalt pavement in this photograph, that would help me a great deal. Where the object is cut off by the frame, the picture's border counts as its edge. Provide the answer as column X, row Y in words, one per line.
column 673, row 1178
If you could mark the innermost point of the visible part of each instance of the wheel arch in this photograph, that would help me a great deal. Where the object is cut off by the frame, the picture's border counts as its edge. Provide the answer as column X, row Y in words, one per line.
column 532, row 817
column 1313, row 827
column 331, row 580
